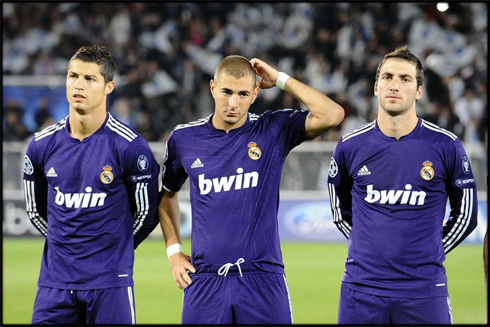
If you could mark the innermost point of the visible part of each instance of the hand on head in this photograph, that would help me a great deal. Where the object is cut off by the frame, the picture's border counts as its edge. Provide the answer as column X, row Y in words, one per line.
column 267, row 73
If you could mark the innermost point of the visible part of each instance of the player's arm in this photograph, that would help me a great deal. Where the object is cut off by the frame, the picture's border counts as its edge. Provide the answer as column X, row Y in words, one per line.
column 142, row 184
column 339, row 189
column 462, row 218
column 35, row 189
column 173, row 177
column 169, row 215
column 324, row 112
column 463, row 201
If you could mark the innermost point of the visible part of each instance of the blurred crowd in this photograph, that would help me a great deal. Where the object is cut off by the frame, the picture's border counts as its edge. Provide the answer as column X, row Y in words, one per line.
column 166, row 53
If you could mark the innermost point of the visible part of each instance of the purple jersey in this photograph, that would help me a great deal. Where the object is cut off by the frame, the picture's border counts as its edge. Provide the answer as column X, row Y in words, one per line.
column 234, row 185
column 389, row 199
column 95, row 201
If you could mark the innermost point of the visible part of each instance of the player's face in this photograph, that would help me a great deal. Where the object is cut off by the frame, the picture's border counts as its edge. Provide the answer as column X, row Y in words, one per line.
column 85, row 88
column 396, row 88
column 233, row 97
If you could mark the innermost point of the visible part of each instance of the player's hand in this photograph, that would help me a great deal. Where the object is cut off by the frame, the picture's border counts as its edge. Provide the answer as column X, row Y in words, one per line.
column 180, row 265
column 267, row 73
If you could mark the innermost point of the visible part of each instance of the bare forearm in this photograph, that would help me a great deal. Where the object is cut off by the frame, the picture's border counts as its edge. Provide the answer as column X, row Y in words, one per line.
column 169, row 215
column 325, row 113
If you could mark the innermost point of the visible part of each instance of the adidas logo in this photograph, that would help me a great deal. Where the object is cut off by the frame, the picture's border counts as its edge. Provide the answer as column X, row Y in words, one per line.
column 363, row 171
column 197, row 164
column 51, row 173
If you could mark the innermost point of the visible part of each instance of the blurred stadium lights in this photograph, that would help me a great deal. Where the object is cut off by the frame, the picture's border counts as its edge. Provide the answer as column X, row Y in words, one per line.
column 442, row 6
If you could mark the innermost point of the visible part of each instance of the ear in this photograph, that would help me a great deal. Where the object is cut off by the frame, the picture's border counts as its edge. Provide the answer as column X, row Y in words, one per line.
column 418, row 95
column 376, row 89
column 212, row 85
column 109, row 87
column 256, row 92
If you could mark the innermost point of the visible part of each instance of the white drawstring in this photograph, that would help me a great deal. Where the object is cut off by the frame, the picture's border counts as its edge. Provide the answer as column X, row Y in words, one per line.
column 224, row 268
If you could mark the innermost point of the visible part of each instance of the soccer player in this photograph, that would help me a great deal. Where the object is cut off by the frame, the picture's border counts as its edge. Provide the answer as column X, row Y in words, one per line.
column 91, row 188
column 389, row 182
column 234, row 161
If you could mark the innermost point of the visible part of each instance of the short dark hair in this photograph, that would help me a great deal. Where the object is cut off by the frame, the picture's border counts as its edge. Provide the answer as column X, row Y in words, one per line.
column 99, row 55
column 236, row 66
column 405, row 54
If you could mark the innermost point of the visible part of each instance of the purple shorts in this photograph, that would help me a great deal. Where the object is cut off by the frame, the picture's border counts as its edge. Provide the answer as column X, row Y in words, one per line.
column 256, row 298
column 108, row 306
column 367, row 309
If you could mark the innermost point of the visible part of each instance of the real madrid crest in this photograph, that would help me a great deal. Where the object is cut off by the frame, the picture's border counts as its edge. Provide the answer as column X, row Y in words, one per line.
column 253, row 151
column 106, row 176
column 427, row 172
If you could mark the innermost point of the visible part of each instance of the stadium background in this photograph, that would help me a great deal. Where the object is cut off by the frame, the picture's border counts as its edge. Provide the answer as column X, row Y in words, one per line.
column 166, row 54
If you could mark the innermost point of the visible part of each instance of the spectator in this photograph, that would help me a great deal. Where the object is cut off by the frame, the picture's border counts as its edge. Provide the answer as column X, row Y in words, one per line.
column 469, row 110
column 14, row 127
column 43, row 115
column 171, row 41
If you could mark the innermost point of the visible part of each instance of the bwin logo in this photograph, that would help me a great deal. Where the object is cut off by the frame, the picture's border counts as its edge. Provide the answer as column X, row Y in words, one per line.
column 393, row 196
column 80, row 200
column 225, row 183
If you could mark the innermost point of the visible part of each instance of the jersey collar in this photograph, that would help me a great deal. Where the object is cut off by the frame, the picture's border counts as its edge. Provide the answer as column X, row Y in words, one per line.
column 234, row 130
column 88, row 138
column 404, row 137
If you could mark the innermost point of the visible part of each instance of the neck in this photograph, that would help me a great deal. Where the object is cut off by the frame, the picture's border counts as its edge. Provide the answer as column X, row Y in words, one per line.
column 397, row 126
column 84, row 125
column 218, row 123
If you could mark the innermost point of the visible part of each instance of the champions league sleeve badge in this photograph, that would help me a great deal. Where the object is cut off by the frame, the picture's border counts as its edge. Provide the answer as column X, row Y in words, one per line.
column 106, row 176
column 427, row 172
column 28, row 167
column 253, row 151
column 142, row 163
column 333, row 169
column 466, row 165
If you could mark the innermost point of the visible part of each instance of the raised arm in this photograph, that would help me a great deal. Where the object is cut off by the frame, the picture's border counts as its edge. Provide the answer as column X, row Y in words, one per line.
column 169, row 215
column 325, row 113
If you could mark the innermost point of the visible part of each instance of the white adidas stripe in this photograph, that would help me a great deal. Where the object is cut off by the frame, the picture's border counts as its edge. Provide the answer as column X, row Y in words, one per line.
column 121, row 126
column 50, row 130
column 450, row 310
column 438, row 129
column 120, row 129
column 334, row 202
column 198, row 122
column 359, row 131
column 289, row 297
column 29, row 195
column 341, row 224
column 131, row 305
column 119, row 132
column 142, row 205
column 462, row 222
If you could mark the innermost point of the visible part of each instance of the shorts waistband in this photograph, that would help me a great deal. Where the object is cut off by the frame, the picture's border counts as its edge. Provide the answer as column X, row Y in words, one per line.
column 246, row 267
